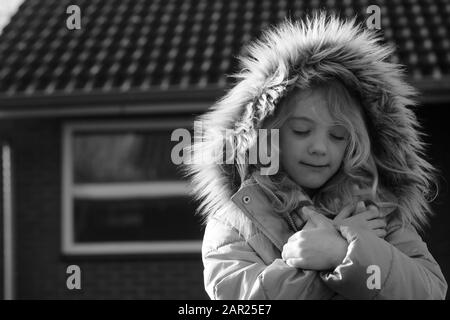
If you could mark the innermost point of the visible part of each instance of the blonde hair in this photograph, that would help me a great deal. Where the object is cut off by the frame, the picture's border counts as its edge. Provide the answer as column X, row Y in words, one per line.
column 357, row 178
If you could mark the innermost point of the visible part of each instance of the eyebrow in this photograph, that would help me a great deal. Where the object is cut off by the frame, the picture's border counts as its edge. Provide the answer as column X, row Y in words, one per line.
column 334, row 124
column 302, row 118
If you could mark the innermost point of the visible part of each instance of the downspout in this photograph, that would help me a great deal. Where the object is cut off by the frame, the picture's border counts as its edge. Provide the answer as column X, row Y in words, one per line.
column 8, row 225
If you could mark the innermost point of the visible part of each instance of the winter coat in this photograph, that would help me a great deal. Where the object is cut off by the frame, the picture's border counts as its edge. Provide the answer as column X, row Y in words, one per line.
column 244, row 236
column 235, row 268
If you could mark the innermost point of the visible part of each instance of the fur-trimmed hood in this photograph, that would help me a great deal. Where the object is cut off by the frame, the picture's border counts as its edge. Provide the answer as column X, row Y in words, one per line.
column 317, row 48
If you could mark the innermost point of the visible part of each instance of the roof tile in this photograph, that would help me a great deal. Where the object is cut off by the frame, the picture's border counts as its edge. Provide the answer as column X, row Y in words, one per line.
column 138, row 44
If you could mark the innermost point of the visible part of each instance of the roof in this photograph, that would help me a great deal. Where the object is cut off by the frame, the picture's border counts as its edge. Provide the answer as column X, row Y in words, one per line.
column 183, row 49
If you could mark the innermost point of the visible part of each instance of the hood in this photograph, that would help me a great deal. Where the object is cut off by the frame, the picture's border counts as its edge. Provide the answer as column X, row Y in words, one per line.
column 320, row 47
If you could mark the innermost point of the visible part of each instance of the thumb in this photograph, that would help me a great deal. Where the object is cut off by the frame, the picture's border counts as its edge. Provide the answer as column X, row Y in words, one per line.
column 346, row 211
column 360, row 207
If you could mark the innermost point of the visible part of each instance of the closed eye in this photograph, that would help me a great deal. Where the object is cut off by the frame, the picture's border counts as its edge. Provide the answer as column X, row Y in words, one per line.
column 300, row 133
column 339, row 138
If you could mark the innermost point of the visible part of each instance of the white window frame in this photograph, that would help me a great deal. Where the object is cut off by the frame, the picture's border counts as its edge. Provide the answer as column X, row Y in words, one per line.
column 157, row 189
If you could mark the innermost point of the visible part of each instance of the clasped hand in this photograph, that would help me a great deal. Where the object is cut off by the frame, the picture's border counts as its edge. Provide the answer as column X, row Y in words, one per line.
column 320, row 246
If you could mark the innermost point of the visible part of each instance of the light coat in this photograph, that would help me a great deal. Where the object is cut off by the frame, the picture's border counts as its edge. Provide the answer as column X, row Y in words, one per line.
column 252, row 268
column 243, row 239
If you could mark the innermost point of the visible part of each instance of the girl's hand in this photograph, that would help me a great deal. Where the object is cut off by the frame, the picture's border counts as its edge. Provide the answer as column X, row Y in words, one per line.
column 368, row 218
column 318, row 246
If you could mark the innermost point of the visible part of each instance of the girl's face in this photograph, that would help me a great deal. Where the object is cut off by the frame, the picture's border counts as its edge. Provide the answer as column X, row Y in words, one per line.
column 312, row 144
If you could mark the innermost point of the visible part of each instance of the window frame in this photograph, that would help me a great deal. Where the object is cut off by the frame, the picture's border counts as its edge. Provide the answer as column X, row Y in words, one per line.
column 155, row 189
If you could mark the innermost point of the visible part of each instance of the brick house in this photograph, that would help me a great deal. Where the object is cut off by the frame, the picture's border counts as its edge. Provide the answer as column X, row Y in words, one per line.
column 86, row 117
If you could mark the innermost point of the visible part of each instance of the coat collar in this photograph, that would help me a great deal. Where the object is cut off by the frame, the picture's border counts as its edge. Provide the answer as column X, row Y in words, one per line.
column 257, row 206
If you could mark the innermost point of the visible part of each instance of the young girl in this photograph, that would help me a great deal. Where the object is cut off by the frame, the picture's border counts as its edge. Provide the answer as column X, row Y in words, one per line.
column 338, row 219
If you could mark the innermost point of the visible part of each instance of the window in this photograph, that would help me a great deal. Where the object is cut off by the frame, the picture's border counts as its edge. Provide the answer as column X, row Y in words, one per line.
column 121, row 191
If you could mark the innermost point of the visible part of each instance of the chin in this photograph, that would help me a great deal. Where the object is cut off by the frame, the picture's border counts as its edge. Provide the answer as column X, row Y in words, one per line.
column 310, row 184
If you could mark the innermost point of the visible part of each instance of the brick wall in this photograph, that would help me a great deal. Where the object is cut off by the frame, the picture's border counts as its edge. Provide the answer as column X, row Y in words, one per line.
column 40, row 266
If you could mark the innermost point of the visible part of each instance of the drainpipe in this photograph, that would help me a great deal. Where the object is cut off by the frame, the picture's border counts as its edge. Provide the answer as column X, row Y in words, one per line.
column 8, row 229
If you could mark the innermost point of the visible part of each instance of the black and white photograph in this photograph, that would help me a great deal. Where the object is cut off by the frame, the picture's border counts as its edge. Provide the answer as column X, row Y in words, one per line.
column 198, row 150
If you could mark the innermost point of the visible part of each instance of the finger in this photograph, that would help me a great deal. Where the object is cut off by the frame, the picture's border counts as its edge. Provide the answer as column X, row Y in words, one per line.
column 295, row 262
column 287, row 251
column 291, row 250
column 377, row 223
column 304, row 214
column 345, row 212
column 371, row 213
column 360, row 207
column 309, row 216
column 284, row 252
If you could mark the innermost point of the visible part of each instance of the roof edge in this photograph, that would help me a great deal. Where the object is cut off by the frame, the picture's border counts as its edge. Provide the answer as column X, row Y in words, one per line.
column 102, row 97
column 99, row 102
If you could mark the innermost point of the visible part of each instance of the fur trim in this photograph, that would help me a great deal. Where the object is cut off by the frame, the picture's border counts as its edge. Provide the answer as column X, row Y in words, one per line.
column 318, row 48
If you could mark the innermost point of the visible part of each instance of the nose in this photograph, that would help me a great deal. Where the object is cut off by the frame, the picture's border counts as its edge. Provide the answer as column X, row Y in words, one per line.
column 318, row 146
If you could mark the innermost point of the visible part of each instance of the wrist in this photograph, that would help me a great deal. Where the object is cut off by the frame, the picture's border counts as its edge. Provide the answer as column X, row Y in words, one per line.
column 341, row 252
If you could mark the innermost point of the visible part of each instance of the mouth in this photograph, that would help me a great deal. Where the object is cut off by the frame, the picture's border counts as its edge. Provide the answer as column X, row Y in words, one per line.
column 314, row 166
